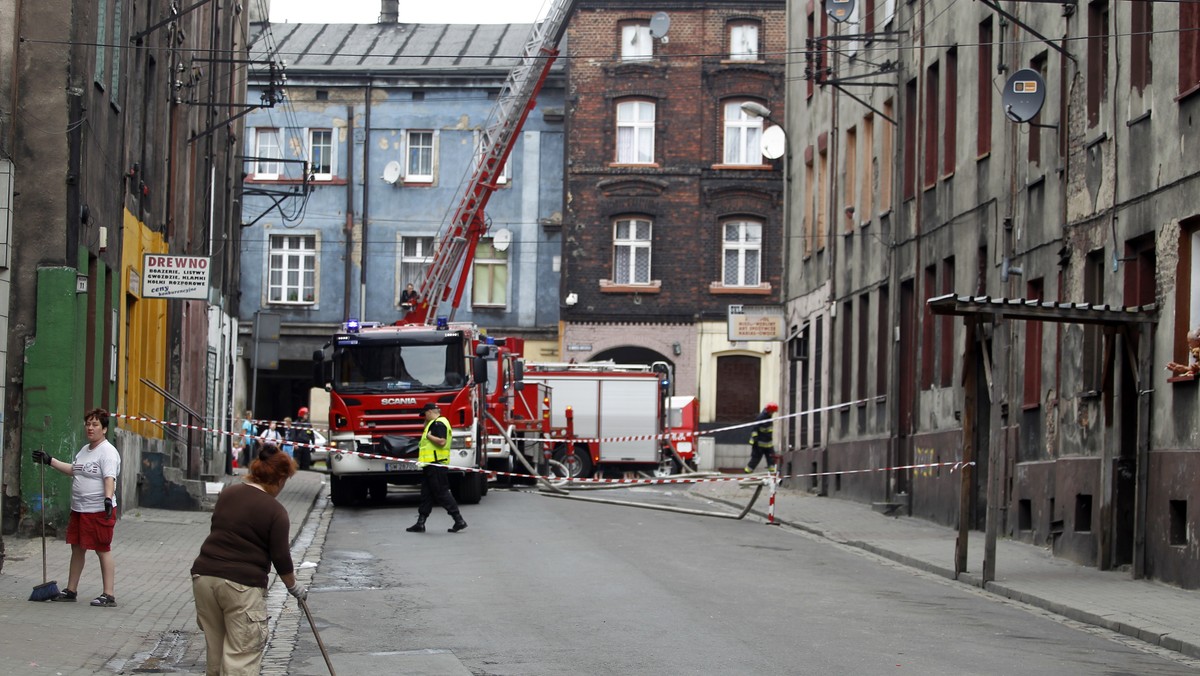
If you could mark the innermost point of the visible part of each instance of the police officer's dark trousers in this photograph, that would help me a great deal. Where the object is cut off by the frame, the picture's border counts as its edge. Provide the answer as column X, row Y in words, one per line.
column 435, row 486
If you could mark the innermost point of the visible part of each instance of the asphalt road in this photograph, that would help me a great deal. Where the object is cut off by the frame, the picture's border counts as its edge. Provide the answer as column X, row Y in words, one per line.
column 544, row 586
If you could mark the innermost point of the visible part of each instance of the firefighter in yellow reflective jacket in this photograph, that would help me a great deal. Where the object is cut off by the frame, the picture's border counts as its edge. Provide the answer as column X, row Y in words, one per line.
column 762, row 438
column 434, row 451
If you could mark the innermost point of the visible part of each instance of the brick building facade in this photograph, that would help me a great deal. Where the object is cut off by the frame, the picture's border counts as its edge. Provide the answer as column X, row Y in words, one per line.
column 673, row 213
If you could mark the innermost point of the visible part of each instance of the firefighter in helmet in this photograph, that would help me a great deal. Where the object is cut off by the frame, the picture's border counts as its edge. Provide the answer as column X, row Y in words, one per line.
column 762, row 438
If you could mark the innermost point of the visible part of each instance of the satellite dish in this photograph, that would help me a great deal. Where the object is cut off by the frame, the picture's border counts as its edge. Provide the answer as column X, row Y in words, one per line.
column 839, row 10
column 1024, row 95
column 502, row 239
column 660, row 23
column 391, row 172
column 774, row 142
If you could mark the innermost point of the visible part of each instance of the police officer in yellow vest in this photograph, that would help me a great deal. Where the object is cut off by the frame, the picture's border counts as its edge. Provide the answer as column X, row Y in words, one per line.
column 434, row 450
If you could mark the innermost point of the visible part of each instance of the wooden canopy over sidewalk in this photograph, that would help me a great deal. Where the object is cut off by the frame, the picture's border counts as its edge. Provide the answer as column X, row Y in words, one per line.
column 1124, row 320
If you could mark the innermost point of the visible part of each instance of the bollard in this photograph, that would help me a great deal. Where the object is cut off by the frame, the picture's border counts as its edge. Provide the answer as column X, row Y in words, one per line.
column 773, row 480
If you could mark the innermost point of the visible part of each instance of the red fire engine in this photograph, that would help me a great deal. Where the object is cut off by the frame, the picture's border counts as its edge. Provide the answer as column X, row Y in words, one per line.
column 379, row 377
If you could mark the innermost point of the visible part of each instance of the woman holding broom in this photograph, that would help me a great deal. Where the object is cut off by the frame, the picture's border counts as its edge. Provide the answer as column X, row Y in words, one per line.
column 249, row 535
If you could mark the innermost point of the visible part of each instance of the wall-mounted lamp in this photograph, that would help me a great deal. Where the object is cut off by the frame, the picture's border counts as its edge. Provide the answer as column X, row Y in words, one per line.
column 677, row 349
column 572, row 299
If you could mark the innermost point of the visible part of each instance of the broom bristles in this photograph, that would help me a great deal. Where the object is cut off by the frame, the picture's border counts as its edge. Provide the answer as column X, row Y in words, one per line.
column 45, row 591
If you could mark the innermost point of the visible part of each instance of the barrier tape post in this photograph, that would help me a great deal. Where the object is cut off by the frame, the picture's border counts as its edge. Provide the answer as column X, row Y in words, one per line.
column 771, row 502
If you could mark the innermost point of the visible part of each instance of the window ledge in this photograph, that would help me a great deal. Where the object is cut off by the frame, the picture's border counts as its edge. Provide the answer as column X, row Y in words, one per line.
column 1188, row 93
column 418, row 181
column 983, row 156
column 1179, row 380
column 624, row 165
column 757, row 290
column 1032, row 406
column 608, row 286
column 742, row 62
column 742, row 167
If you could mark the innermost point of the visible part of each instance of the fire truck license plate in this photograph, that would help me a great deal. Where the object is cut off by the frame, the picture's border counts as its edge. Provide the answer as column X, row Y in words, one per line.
column 399, row 466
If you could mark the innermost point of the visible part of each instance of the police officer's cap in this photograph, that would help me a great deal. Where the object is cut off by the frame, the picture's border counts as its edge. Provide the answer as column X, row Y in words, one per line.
column 430, row 407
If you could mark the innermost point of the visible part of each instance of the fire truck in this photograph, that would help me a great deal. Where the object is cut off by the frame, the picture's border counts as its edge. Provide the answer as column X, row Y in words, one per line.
column 620, row 417
column 378, row 377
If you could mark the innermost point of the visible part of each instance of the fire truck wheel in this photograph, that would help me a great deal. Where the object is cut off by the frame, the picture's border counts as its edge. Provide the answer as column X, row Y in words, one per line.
column 579, row 463
column 377, row 489
column 339, row 491
column 467, row 489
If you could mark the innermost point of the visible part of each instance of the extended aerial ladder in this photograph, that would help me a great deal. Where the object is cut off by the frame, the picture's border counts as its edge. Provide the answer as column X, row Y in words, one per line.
column 446, row 277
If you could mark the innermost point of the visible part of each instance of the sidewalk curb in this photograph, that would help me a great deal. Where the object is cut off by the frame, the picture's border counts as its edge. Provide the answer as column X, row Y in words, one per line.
column 1133, row 630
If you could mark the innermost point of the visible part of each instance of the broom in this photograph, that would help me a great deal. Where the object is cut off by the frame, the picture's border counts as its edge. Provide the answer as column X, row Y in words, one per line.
column 46, row 590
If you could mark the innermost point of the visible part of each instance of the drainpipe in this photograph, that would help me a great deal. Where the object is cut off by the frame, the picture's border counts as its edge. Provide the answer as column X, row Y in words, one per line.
column 349, row 212
column 366, row 203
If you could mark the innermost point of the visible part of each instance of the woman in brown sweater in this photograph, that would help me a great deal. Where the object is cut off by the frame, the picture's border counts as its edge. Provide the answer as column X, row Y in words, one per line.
column 229, row 579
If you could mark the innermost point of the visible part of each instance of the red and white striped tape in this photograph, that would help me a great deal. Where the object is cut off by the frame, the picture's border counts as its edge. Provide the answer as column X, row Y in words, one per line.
column 954, row 465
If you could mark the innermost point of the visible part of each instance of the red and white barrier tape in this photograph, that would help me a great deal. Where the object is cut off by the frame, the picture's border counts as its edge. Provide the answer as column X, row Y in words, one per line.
column 954, row 466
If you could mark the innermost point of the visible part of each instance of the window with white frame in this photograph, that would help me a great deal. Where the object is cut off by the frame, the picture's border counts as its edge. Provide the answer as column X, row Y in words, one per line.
column 489, row 276
column 741, row 250
column 635, row 132
column 505, row 175
column 416, row 255
column 743, row 135
column 420, row 156
column 743, row 41
column 267, row 153
column 293, row 269
column 320, row 154
column 631, row 251
column 636, row 42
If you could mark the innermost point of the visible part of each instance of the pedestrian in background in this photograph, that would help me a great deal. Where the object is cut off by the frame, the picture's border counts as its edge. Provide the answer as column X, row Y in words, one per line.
column 271, row 435
column 249, row 535
column 434, row 451
column 762, row 438
column 249, row 445
column 288, row 435
column 93, row 506
column 305, row 439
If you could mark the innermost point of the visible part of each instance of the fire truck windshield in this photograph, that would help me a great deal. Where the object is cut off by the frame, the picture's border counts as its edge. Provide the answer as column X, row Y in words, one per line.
column 386, row 366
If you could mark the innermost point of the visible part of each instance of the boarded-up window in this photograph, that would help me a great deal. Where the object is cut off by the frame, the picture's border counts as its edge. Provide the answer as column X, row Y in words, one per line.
column 910, row 139
column 883, row 339
column 950, row 105
column 929, row 289
column 1034, row 290
column 737, row 388
column 1097, row 59
column 1141, row 28
column 946, row 352
column 932, row 82
column 983, row 121
column 1189, row 46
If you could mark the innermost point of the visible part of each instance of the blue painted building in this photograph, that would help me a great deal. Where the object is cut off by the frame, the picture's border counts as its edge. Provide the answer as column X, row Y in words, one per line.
column 385, row 119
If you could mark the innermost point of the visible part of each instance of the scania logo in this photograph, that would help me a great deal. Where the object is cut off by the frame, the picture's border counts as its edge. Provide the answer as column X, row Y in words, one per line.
column 398, row 401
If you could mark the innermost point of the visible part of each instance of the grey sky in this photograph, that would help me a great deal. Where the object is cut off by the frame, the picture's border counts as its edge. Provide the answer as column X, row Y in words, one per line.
column 425, row 11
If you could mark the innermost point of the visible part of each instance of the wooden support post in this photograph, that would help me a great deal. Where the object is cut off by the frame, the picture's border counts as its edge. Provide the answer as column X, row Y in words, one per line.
column 997, row 446
column 1145, row 337
column 970, row 396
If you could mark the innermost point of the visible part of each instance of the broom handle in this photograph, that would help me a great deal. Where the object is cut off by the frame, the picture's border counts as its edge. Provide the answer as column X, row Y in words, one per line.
column 42, row 479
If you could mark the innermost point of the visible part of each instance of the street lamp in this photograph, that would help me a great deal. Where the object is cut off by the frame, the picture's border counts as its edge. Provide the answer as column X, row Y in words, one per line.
column 758, row 110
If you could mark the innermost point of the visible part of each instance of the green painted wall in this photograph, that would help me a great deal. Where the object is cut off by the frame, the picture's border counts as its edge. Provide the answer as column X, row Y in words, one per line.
column 53, row 389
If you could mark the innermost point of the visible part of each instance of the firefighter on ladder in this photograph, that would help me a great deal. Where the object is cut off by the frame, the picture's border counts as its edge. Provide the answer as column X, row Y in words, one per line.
column 762, row 438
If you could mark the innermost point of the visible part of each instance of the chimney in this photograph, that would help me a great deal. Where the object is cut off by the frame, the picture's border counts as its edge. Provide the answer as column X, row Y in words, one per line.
column 390, row 11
